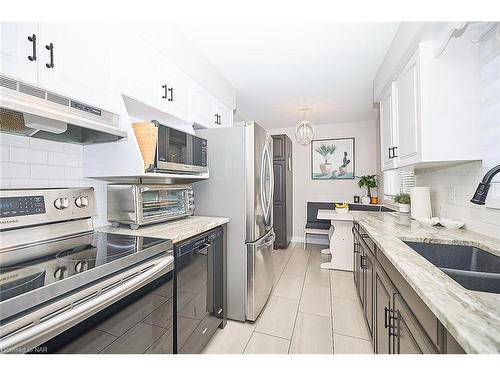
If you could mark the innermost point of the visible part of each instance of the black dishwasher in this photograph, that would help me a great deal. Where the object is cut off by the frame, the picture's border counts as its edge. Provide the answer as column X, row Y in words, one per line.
column 199, row 290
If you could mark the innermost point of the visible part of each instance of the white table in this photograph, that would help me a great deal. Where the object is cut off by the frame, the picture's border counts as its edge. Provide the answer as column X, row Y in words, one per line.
column 341, row 240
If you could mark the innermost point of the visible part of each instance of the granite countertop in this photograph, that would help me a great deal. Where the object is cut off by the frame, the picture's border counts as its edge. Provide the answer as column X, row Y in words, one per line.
column 177, row 230
column 472, row 318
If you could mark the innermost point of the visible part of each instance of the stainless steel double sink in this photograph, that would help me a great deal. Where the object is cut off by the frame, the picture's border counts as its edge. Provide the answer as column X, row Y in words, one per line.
column 471, row 267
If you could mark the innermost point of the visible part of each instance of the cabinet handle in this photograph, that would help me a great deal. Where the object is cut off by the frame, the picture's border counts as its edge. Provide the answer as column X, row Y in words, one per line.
column 390, row 149
column 50, row 47
column 362, row 264
column 216, row 119
column 32, row 39
column 220, row 120
column 392, row 325
column 394, row 152
column 171, row 90
column 386, row 320
column 165, row 90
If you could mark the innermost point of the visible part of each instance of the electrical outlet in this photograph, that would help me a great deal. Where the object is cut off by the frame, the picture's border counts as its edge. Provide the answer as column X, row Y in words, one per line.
column 451, row 195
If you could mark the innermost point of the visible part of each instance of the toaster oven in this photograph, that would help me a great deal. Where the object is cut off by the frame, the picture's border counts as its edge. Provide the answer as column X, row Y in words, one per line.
column 138, row 204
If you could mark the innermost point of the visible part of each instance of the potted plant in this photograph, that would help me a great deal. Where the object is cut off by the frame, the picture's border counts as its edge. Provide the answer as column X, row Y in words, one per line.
column 326, row 151
column 370, row 182
column 345, row 163
column 403, row 201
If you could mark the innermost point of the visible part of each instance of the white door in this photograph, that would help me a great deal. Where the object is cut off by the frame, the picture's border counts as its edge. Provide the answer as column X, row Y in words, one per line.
column 178, row 101
column 76, row 61
column 387, row 129
column 203, row 107
column 20, row 51
column 225, row 114
column 408, row 112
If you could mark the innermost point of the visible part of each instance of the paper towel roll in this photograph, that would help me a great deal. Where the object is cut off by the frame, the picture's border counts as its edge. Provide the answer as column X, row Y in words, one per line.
column 420, row 202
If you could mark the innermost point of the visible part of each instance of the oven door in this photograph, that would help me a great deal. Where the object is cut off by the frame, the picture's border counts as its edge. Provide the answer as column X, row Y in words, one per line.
column 161, row 204
column 129, row 312
column 180, row 152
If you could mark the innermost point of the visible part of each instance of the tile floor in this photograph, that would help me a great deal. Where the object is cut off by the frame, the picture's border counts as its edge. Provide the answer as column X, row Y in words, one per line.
column 311, row 311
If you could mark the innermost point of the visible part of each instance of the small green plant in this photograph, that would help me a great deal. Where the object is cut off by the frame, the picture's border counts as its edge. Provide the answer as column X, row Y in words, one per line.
column 402, row 198
column 345, row 161
column 326, row 151
column 370, row 181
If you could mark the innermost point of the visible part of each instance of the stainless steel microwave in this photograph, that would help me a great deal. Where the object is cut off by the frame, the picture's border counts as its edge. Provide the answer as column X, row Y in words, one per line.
column 180, row 152
column 139, row 204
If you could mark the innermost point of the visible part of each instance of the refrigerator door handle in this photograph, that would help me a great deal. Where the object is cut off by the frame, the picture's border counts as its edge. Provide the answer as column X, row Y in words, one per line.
column 264, row 193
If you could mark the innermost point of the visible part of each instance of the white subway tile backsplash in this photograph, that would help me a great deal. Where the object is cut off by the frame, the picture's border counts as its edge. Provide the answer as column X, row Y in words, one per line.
column 4, row 153
column 73, row 149
column 42, row 144
column 65, row 183
column 14, row 140
column 73, row 173
column 64, row 159
column 26, row 155
column 28, row 183
column 37, row 163
column 47, row 171
column 14, row 170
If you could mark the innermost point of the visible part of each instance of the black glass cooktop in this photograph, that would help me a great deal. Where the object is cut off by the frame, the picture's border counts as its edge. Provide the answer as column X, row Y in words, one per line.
column 96, row 255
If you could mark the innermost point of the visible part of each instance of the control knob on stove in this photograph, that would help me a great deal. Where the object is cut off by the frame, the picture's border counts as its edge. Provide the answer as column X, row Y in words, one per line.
column 61, row 203
column 61, row 273
column 81, row 266
column 82, row 201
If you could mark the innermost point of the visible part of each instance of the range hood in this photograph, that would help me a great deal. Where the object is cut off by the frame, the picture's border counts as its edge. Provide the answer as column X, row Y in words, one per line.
column 34, row 112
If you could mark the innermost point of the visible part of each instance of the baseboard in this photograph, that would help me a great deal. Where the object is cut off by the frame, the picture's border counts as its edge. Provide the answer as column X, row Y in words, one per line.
column 311, row 238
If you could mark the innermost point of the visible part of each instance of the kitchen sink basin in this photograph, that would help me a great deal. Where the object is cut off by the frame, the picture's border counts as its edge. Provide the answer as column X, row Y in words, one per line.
column 471, row 267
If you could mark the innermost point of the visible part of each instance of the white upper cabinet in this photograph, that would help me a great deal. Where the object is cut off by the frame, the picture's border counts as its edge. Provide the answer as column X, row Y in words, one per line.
column 20, row 51
column 431, row 112
column 136, row 69
column 224, row 114
column 75, row 60
column 70, row 59
column 407, row 114
column 388, row 130
column 178, row 93
column 203, row 107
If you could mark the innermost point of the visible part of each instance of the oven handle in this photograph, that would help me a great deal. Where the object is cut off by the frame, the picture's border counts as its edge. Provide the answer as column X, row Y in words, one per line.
column 142, row 189
column 38, row 334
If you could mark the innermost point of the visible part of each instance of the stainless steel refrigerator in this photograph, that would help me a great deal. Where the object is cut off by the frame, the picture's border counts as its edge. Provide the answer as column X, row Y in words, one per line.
column 240, row 161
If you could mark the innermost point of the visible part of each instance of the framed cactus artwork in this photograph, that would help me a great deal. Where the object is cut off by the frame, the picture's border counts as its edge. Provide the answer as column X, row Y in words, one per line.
column 332, row 159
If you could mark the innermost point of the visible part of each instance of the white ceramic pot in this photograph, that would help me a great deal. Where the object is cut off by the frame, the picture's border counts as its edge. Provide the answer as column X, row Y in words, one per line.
column 365, row 199
column 404, row 208
column 325, row 168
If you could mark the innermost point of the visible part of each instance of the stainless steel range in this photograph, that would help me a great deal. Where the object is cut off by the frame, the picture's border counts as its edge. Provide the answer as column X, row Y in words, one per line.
column 56, row 271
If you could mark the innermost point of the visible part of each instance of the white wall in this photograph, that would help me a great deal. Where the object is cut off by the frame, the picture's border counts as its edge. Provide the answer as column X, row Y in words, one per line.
column 37, row 163
column 305, row 189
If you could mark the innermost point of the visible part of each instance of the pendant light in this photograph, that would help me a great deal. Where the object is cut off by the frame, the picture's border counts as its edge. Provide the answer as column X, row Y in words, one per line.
column 304, row 132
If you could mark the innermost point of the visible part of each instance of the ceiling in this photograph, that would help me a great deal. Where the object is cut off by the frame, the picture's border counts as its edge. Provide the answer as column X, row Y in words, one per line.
column 278, row 68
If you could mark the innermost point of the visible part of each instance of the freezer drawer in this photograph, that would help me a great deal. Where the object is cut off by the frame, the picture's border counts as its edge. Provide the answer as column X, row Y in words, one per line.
column 259, row 274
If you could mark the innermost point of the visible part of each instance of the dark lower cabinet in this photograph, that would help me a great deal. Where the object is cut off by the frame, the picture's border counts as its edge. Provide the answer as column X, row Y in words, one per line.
column 408, row 337
column 283, row 199
column 382, row 308
column 399, row 321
